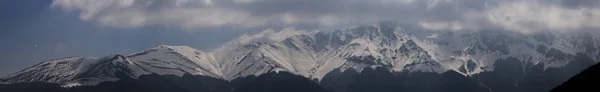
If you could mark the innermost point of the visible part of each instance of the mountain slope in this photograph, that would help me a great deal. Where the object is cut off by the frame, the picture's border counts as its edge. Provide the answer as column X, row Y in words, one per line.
column 313, row 54
column 175, row 60
column 585, row 80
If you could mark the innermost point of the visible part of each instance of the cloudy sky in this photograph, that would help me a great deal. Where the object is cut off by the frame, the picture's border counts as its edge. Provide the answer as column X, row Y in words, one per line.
column 36, row 30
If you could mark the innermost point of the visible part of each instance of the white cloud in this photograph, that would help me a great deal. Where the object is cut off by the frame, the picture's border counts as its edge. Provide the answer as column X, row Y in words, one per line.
column 528, row 16
column 524, row 16
column 434, row 36
column 270, row 35
column 440, row 26
column 516, row 15
column 189, row 14
column 135, row 13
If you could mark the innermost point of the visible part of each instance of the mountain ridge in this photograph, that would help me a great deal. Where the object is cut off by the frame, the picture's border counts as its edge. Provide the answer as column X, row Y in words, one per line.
column 314, row 54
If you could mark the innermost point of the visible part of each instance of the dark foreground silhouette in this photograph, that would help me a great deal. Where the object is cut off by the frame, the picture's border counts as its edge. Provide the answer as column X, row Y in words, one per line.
column 270, row 82
column 586, row 81
column 507, row 77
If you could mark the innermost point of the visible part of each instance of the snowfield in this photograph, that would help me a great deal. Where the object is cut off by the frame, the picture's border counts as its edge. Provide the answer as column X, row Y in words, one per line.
column 313, row 54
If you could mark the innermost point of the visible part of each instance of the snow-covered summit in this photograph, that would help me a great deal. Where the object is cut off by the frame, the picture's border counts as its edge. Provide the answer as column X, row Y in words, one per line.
column 313, row 54
column 163, row 59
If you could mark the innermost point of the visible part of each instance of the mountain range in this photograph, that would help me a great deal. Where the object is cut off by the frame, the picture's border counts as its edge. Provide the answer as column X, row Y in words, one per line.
column 379, row 56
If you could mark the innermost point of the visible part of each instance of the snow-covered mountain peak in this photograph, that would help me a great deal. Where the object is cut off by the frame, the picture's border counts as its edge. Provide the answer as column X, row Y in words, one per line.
column 313, row 54
column 55, row 71
column 187, row 58
column 175, row 48
column 269, row 36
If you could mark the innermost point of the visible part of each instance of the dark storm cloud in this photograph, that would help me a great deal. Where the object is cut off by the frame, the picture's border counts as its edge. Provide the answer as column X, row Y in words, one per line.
column 265, row 12
column 581, row 3
column 430, row 9
column 515, row 15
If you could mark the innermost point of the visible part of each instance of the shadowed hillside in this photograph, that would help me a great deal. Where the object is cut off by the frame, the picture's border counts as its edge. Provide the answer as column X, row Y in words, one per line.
column 270, row 82
column 586, row 80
